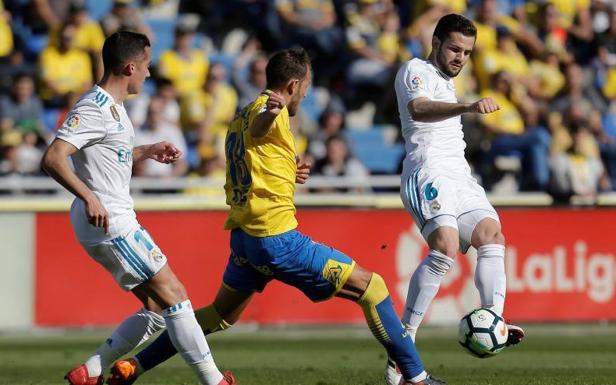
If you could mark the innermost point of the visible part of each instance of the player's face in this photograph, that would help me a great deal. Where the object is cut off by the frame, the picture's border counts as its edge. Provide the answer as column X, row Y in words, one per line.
column 453, row 53
column 141, row 71
column 300, row 93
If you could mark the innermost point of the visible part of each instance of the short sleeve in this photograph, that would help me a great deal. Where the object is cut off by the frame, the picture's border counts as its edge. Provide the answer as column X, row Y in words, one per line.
column 83, row 126
column 413, row 82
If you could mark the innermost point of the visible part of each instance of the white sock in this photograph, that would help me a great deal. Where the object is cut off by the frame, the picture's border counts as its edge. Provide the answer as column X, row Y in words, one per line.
column 188, row 339
column 131, row 333
column 424, row 285
column 490, row 278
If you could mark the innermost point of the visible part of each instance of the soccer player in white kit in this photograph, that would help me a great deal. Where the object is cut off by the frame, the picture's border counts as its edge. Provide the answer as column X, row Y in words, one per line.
column 437, row 188
column 99, row 137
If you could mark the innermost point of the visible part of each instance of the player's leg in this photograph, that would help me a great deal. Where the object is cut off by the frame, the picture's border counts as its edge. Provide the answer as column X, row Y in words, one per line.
column 480, row 227
column 134, row 330
column 220, row 315
column 370, row 292
column 240, row 282
column 426, row 280
column 432, row 202
column 165, row 289
column 321, row 271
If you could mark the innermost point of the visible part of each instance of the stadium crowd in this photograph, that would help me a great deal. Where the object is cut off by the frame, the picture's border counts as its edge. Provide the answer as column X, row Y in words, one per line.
column 549, row 64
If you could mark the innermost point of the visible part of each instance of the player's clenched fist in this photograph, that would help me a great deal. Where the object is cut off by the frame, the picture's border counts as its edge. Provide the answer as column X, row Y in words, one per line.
column 484, row 106
column 97, row 214
column 275, row 103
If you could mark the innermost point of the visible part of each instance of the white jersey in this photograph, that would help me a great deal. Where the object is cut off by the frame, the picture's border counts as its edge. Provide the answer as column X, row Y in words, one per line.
column 436, row 146
column 104, row 135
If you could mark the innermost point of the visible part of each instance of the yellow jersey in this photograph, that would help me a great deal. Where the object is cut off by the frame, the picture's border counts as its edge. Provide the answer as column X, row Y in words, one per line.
column 260, row 180
column 186, row 74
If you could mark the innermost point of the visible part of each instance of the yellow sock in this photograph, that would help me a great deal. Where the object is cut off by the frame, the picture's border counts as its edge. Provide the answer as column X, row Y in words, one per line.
column 210, row 321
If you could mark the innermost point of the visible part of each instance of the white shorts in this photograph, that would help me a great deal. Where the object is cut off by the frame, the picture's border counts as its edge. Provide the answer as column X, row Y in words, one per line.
column 455, row 200
column 131, row 258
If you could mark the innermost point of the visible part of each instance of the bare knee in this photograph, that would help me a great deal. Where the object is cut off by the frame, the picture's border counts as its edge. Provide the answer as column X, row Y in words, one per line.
column 445, row 240
column 487, row 232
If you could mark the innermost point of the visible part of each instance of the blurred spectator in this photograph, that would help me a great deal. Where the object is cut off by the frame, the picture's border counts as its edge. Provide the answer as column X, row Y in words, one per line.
column 312, row 24
column 184, row 65
column 546, row 79
column 155, row 130
column 488, row 17
column 579, row 92
column 89, row 35
column 331, row 123
column 137, row 107
column 22, row 109
column 578, row 170
column 6, row 35
column 513, row 136
column 28, row 156
column 338, row 162
column 504, row 57
column 125, row 16
column 250, row 81
column 370, row 65
column 207, row 112
column 64, row 69
column 9, row 141
column 551, row 32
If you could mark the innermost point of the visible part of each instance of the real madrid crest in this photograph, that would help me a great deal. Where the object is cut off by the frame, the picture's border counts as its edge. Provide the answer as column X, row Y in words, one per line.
column 114, row 113
column 435, row 206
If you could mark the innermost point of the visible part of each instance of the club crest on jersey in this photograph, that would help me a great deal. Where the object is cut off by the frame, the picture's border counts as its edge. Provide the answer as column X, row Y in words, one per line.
column 417, row 83
column 114, row 113
column 72, row 122
column 435, row 206
column 156, row 255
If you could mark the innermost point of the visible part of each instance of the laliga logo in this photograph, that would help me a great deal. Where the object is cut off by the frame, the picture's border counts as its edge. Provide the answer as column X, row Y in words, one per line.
column 457, row 293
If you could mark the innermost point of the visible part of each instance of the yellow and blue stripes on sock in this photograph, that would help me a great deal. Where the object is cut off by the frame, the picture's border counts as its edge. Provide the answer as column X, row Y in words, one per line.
column 210, row 321
column 386, row 327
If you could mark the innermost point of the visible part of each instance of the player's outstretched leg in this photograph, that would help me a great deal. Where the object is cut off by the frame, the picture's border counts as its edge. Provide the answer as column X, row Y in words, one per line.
column 125, row 372
column 184, row 330
column 490, row 278
column 384, row 323
column 131, row 333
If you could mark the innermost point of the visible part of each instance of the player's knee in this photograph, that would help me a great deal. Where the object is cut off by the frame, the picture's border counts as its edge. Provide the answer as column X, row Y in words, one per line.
column 445, row 242
column 376, row 291
column 490, row 237
column 488, row 232
column 448, row 248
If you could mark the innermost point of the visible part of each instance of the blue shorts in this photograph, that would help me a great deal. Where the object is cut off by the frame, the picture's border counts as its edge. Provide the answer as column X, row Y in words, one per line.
column 317, row 270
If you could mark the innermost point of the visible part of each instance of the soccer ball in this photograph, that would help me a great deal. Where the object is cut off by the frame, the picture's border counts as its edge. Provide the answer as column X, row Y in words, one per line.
column 482, row 333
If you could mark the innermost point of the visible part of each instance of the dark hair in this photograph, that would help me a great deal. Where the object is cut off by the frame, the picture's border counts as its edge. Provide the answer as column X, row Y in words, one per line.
column 454, row 23
column 122, row 47
column 286, row 65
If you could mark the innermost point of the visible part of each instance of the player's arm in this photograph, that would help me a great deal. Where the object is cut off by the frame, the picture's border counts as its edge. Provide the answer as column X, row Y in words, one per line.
column 423, row 109
column 262, row 123
column 55, row 163
column 303, row 171
column 163, row 152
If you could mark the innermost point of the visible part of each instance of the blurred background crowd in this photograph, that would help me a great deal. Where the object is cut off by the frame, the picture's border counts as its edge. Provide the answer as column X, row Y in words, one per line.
column 549, row 64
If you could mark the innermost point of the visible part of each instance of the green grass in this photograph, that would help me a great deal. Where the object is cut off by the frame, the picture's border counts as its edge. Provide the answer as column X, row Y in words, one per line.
column 580, row 355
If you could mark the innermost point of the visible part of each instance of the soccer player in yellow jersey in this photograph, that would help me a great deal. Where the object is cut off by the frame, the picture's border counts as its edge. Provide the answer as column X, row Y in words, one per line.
column 262, row 171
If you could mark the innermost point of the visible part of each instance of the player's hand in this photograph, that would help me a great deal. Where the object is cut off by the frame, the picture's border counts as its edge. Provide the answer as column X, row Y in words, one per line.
column 97, row 214
column 484, row 106
column 275, row 103
column 164, row 152
column 303, row 172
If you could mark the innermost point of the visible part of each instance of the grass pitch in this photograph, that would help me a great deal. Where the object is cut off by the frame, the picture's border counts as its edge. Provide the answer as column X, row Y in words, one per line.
column 569, row 355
